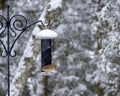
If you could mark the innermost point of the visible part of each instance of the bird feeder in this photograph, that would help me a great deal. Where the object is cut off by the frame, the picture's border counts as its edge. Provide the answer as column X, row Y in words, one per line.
column 46, row 37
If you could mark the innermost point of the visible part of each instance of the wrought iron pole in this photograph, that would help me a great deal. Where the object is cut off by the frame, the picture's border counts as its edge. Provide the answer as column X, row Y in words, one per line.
column 8, row 48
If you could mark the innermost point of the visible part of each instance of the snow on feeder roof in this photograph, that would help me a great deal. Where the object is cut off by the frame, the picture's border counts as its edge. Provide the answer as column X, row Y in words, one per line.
column 46, row 34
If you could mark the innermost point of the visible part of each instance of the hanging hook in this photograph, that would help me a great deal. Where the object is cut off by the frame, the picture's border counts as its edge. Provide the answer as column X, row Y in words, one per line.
column 44, row 25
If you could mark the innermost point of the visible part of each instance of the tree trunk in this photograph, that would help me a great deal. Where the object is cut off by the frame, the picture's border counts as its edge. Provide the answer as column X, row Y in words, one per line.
column 27, row 61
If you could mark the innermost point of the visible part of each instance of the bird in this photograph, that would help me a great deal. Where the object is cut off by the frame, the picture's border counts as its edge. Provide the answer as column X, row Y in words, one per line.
column 48, row 68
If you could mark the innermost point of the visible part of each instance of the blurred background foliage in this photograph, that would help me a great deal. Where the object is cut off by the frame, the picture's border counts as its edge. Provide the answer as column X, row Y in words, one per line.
column 87, row 49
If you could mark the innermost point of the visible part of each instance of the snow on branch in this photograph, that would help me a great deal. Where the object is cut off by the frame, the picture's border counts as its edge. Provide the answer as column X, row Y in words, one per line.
column 51, row 12
column 26, row 64
column 54, row 4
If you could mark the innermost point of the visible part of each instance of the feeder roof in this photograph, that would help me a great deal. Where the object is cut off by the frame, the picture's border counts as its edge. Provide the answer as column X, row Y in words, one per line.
column 46, row 34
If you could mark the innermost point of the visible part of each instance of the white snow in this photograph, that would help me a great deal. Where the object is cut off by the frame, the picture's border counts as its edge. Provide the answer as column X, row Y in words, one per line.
column 35, row 30
column 14, row 86
column 82, row 87
column 62, row 90
column 46, row 34
column 14, row 90
column 55, row 4
column 70, row 78
column 48, row 73
column 28, row 51
column 60, row 29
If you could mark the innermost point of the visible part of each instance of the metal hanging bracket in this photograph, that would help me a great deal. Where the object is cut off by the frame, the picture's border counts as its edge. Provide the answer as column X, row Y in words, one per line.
column 8, row 29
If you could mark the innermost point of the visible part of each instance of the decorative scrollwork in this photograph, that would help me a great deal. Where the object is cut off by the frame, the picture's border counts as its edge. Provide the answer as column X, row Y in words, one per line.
column 22, row 31
column 2, row 26
column 17, row 23
column 3, row 53
column 14, row 53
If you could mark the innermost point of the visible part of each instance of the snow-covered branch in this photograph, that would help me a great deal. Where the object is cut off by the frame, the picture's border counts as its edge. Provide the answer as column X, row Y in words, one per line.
column 26, row 64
